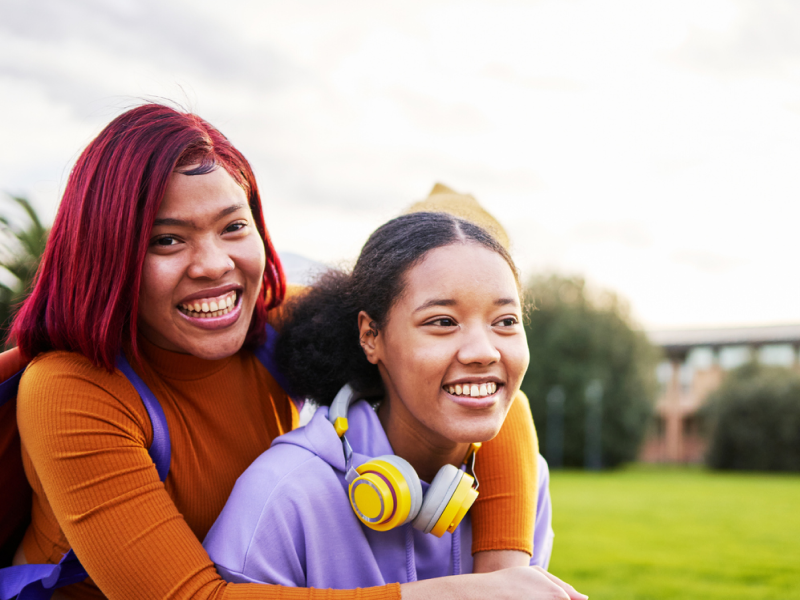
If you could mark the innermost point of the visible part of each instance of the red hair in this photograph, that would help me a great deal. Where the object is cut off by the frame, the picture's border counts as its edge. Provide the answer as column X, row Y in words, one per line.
column 86, row 295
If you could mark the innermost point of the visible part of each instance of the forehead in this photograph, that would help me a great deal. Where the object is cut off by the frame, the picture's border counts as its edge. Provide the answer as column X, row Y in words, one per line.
column 470, row 271
column 193, row 193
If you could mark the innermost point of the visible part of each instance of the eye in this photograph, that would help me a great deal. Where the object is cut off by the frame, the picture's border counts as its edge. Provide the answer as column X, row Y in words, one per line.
column 442, row 322
column 234, row 227
column 164, row 241
column 507, row 322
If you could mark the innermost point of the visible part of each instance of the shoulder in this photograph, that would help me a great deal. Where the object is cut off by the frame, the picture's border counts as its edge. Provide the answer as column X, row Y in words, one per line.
column 286, row 475
column 62, row 385
column 69, row 373
column 278, row 498
column 58, row 363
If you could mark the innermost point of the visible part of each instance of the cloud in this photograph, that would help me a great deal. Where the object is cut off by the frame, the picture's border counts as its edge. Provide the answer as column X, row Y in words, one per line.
column 763, row 39
column 703, row 260
column 79, row 51
column 621, row 232
column 434, row 116
column 505, row 73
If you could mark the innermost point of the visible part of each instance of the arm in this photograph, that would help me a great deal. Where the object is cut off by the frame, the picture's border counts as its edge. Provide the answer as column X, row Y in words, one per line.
column 504, row 514
column 89, row 465
column 520, row 583
column 86, row 436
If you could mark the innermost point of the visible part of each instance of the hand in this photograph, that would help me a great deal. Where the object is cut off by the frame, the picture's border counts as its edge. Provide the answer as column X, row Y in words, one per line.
column 518, row 583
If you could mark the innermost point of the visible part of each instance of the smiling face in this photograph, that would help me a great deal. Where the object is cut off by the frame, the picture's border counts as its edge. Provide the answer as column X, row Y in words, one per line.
column 203, row 269
column 453, row 352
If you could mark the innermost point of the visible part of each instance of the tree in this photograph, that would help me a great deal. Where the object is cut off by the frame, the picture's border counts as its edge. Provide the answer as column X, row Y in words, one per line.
column 587, row 357
column 22, row 243
column 754, row 419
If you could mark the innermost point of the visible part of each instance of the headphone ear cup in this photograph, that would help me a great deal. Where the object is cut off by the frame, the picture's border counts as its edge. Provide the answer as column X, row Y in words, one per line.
column 387, row 493
column 437, row 497
column 412, row 479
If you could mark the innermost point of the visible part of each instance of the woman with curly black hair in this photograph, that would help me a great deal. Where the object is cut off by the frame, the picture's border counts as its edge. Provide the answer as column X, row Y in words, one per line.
column 416, row 358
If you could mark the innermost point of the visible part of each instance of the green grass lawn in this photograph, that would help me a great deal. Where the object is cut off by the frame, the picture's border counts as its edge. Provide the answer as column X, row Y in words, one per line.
column 656, row 532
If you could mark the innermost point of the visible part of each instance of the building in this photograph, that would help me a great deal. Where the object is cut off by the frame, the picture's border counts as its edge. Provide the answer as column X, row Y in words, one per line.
column 695, row 363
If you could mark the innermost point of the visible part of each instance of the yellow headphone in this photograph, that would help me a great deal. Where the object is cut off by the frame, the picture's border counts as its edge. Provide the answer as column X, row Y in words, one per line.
column 385, row 492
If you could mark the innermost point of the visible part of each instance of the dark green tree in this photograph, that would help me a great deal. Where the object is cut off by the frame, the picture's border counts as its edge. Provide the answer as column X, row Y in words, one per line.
column 22, row 242
column 583, row 341
column 754, row 420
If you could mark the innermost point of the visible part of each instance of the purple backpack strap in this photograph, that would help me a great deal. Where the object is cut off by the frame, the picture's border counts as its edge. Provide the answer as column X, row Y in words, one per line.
column 8, row 389
column 160, row 450
column 266, row 354
column 38, row 582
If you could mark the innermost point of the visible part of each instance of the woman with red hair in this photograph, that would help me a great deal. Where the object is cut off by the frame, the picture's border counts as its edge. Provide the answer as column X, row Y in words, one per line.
column 159, row 251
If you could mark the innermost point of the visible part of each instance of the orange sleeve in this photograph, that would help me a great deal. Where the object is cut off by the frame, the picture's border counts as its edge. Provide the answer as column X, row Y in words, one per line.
column 504, row 514
column 86, row 443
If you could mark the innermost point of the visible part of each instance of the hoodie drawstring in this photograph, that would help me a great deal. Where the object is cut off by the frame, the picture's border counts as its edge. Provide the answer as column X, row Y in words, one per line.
column 455, row 552
column 411, row 564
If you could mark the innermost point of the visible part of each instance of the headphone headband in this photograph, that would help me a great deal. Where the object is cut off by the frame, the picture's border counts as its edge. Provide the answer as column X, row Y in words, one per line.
column 337, row 413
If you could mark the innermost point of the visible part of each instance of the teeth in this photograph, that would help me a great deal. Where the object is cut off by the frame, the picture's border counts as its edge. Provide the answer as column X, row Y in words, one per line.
column 473, row 390
column 205, row 309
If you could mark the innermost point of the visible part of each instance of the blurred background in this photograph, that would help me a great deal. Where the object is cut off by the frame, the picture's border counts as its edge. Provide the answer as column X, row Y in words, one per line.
column 642, row 157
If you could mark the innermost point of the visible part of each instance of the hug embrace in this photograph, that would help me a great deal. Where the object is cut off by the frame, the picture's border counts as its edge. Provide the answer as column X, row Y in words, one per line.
column 160, row 254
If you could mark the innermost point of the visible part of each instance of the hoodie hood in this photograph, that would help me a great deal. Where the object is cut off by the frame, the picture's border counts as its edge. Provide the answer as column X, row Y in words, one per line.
column 365, row 434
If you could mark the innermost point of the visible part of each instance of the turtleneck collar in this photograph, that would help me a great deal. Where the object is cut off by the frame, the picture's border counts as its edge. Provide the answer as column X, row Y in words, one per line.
column 179, row 366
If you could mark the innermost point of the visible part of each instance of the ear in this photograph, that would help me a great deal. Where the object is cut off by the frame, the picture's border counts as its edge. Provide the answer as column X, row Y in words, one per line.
column 368, row 337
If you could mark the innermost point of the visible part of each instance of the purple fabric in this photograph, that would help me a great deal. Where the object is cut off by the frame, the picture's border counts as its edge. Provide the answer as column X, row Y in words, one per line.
column 543, row 527
column 39, row 581
column 289, row 522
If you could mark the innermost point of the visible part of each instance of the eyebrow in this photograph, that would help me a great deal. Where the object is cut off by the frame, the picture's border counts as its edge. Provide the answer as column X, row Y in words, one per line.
column 451, row 302
column 184, row 223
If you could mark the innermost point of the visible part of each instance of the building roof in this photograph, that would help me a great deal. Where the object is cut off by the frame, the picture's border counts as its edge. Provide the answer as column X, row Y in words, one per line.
column 685, row 339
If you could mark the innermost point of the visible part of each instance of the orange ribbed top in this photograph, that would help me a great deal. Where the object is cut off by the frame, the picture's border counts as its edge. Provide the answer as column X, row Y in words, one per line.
column 85, row 435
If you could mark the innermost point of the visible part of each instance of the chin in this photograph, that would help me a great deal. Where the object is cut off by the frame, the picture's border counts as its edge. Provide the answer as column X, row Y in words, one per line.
column 217, row 349
column 475, row 432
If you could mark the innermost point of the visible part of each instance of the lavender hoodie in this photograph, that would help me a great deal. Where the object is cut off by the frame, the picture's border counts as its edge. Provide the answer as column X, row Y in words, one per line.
column 289, row 522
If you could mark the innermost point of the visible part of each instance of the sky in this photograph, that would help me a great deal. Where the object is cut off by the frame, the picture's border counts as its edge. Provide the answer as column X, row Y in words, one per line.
column 650, row 147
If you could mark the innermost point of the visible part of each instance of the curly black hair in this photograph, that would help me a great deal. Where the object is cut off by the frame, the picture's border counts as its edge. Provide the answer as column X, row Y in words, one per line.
column 319, row 350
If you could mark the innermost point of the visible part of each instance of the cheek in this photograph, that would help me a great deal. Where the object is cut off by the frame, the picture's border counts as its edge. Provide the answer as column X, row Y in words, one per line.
column 424, row 369
column 517, row 359
column 253, row 260
column 147, row 291
column 411, row 363
column 158, row 283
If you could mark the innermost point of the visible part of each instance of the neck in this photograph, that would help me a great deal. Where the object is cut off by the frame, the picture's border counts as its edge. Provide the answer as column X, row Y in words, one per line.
column 424, row 449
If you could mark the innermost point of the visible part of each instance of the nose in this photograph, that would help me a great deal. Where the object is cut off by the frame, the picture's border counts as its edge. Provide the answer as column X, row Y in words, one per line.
column 478, row 347
column 210, row 260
